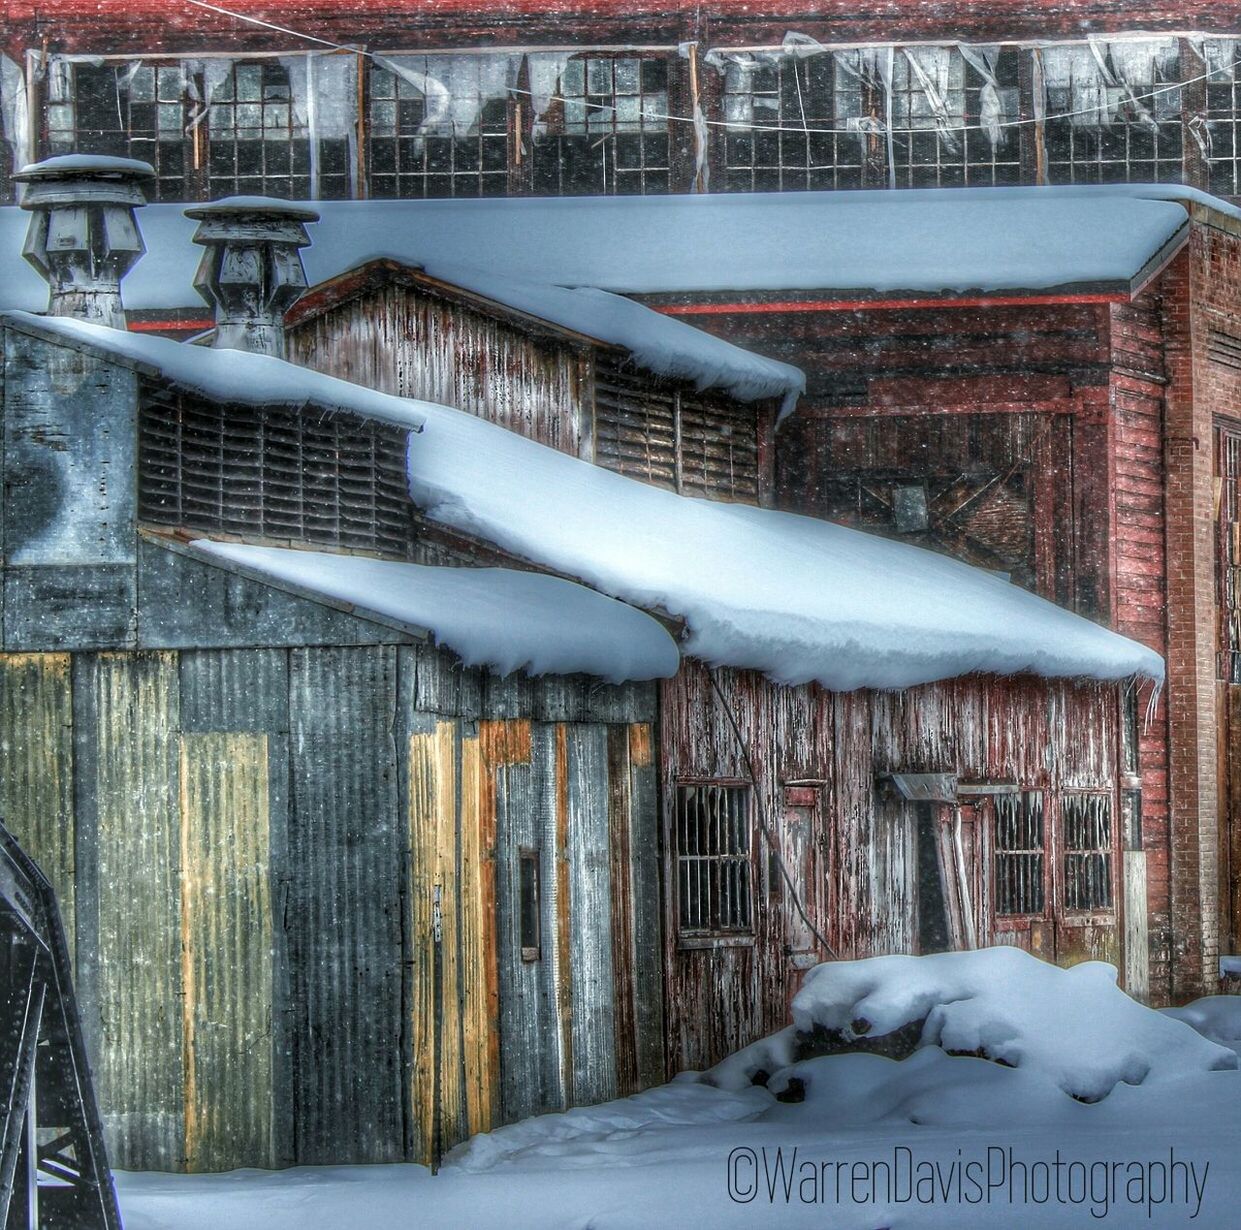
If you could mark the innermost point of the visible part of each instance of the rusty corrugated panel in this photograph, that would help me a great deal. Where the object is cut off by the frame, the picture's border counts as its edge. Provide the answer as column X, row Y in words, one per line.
column 347, row 872
column 36, row 767
column 226, row 926
column 127, row 763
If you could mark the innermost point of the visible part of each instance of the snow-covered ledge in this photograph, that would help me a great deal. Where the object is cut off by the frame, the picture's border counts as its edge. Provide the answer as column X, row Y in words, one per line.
column 83, row 236
column 251, row 271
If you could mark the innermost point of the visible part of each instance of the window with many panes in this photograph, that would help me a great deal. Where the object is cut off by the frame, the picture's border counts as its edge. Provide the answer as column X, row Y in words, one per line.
column 125, row 110
column 259, row 143
column 603, row 128
column 1113, row 112
column 438, row 126
column 713, row 861
column 1087, row 843
column 1222, row 133
column 766, row 102
column 1228, row 535
column 1020, row 854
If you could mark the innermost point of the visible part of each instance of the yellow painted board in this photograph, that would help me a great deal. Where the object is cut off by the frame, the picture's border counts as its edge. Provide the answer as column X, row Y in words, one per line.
column 226, row 934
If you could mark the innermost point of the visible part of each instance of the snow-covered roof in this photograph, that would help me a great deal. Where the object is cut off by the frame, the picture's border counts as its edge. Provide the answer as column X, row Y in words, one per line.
column 658, row 343
column 919, row 241
column 794, row 597
column 497, row 618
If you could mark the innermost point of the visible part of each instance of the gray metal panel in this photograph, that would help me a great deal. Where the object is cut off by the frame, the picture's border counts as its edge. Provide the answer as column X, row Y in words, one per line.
column 235, row 690
column 551, row 977
column 187, row 604
column 283, row 1020
column 347, row 855
column 69, row 444
column 440, row 684
column 590, row 941
column 53, row 606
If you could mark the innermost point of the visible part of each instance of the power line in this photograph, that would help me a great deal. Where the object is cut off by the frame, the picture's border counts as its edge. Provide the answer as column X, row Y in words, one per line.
column 740, row 126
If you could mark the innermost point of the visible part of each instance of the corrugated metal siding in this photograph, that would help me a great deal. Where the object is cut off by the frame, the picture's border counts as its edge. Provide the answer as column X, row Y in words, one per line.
column 36, row 766
column 410, row 343
column 136, row 950
column 343, row 920
column 227, row 950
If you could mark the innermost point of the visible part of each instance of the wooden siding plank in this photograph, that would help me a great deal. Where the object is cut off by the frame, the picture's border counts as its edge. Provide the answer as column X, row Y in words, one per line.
column 36, row 767
column 426, row 784
column 138, row 984
column 347, row 859
column 588, row 915
column 647, row 913
column 226, row 928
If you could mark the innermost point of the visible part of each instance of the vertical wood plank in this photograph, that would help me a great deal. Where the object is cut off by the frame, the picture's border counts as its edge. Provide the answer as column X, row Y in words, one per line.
column 647, row 912
column 1137, row 936
column 589, row 916
column 453, row 1116
column 36, row 767
column 138, row 984
column 620, row 804
column 226, row 929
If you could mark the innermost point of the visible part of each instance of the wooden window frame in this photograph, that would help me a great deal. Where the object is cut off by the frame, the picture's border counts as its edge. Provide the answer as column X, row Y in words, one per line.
column 716, row 937
column 1015, row 921
column 1093, row 913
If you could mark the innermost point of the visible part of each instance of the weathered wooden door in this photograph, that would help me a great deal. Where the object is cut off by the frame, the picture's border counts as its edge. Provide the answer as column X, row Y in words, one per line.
column 963, row 849
column 803, row 849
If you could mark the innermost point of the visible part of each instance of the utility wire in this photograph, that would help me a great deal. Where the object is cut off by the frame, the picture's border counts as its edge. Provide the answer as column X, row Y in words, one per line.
column 737, row 125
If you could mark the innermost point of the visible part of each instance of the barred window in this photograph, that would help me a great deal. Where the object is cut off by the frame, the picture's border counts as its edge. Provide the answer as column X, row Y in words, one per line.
column 603, row 128
column 1086, row 826
column 711, row 840
column 1020, row 861
column 439, row 126
column 692, row 443
column 124, row 110
column 1118, row 123
column 1228, row 553
column 294, row 475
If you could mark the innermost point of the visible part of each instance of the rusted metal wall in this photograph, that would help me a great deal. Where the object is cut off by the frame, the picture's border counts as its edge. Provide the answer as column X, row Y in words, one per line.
column 249, row 844
column 849, row 843
column 403, row 341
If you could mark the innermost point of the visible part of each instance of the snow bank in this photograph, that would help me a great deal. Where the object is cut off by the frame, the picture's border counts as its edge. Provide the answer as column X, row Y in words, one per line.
column 1217, row 1017
column 683, row 1103
column 658, row 343
column 795, row 597
column 492, row 617
column 1074, row 1026
column 917, row 240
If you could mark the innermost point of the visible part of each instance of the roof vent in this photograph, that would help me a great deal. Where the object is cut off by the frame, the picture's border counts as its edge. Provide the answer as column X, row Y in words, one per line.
column 251, row 271
column 83, row 235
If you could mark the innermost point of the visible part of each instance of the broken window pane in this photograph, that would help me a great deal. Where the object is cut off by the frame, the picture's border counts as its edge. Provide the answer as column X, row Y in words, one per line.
column 712, row 847
column 1086, row 824
column 1020, row 887
column 439, row 125
column 600, row 125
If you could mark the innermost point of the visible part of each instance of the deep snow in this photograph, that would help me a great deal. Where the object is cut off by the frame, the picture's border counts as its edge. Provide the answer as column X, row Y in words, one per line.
column 665, row 1157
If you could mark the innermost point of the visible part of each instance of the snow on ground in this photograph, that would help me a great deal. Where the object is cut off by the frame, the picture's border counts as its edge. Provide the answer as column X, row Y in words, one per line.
column 931, row 1142
column 493, row 617
column 1217, row 1017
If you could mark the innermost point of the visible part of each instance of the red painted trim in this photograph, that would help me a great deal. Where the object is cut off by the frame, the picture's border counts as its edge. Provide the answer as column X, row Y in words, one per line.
column 167, row 326
column 868, row 305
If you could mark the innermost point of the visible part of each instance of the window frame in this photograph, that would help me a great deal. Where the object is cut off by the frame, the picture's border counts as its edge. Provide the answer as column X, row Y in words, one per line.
column 700, row 937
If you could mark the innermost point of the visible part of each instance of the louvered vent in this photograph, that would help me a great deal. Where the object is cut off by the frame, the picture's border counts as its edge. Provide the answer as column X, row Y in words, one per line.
column 1224, row 348
column 305, row 476
column 694, row 443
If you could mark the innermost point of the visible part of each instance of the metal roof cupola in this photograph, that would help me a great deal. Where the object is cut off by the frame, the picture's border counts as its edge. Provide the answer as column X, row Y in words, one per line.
column 251, row 271
column 83, row 235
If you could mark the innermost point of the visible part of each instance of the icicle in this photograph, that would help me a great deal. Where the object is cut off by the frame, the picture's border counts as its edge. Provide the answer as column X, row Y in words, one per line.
column 1152, row 705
